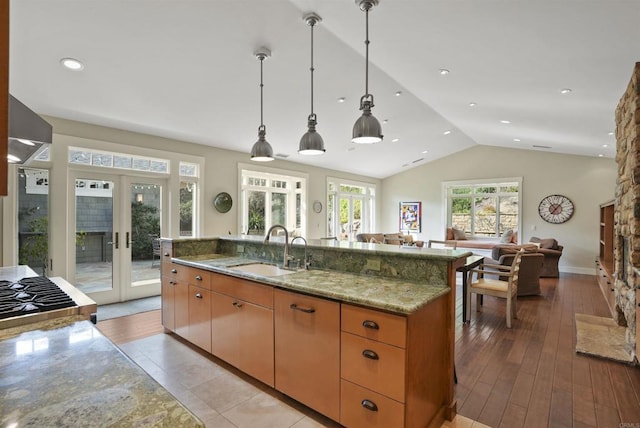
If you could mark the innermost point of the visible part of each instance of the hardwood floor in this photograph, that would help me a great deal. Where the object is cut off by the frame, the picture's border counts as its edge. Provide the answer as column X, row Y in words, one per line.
column 526, row 376
column 530, row 375
column 133, row 327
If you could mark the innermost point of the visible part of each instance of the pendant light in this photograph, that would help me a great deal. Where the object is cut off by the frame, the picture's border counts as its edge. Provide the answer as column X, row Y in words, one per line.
column 367, row 129
column 311, row 142
column 261, row 150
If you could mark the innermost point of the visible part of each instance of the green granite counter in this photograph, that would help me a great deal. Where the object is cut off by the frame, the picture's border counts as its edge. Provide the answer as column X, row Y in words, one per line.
column 394, row 295
column 64, row 373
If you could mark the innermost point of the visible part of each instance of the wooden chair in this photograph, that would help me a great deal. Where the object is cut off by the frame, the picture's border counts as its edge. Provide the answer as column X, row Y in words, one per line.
column 157, row 250
column 445, row 244
column 507, row 289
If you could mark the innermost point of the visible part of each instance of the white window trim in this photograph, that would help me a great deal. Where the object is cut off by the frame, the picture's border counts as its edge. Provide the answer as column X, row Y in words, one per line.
column 369, row 202
column 445, row 185
column 276, row 173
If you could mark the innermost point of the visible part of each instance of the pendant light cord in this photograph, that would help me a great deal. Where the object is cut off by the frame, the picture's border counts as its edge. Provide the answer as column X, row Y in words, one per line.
column 261, row 86
column 312, row 69
column 366, row 44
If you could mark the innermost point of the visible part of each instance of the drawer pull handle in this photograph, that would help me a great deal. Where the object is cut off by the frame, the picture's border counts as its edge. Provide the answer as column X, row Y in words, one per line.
column 370, row 324
column 172, row 282
column 198, row 296
column 237, row 304
column 372, row 355
column 174, row 270
column 298, row 308
column 198, row 277
column 166, row 254
column 369, row 405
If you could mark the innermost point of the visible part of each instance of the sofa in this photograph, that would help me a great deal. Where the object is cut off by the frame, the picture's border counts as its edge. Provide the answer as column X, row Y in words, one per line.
column 388, row 238
column 530, row 265
column 467, row 241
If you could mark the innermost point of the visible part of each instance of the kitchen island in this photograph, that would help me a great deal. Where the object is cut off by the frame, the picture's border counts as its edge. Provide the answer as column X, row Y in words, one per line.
column 63, row 373
column 365, row 336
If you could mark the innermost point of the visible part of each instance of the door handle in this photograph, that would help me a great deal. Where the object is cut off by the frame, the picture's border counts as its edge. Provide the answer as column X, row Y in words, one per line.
column 127, row 240
column 116, row 242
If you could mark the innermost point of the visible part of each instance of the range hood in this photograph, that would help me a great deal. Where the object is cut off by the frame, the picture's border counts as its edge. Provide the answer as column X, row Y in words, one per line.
column 28, row 132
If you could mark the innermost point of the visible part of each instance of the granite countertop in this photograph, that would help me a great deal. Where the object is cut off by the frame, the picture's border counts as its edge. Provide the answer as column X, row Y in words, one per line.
column 63, row 372
column 394, row 295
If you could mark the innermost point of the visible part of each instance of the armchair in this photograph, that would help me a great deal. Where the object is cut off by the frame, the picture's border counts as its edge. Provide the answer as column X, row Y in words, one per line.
column 552, row 252
column 530, row 267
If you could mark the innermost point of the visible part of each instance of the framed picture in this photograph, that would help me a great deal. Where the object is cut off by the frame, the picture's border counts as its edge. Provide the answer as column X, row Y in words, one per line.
column 411, row 217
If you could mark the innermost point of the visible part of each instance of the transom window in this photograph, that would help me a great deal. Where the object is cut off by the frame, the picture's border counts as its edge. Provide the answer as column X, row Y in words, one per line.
column 484, row 208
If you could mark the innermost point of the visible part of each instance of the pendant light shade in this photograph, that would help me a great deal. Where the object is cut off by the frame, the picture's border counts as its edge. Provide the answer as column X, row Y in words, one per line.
column 367, row 129
column 261, row 150
column 311, row 142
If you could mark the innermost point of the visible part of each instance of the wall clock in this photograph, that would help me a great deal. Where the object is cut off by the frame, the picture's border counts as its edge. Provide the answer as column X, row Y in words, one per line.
column 223, row 202
column 317, row 206
column 555, row 209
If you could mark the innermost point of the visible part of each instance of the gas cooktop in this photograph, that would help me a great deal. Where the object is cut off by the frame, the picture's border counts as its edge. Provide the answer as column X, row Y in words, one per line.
column 31, row 295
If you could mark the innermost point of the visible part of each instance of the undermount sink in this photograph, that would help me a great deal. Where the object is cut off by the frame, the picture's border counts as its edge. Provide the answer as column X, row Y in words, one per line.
column 262, row 269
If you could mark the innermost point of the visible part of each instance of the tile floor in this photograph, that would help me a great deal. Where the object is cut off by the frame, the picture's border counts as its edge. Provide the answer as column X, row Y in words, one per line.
column 220, row 395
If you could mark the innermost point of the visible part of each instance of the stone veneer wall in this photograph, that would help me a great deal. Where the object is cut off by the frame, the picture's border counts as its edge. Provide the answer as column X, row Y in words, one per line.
column 627, row 211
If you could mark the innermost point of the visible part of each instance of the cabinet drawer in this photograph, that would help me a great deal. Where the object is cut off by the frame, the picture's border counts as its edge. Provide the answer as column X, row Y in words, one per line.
column 243, row 289
column 373, row 365
column 376, row 325
column 175, row 271
column 360, row 407
column 198, row 277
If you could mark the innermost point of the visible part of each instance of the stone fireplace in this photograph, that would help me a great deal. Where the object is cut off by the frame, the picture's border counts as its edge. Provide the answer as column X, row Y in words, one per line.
column 627, row 211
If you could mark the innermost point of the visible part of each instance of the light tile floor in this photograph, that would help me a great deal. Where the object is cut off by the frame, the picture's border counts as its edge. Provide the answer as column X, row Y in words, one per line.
column 220, row 395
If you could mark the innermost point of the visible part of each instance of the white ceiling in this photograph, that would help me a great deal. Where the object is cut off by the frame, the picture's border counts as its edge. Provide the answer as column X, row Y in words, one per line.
column 186, row 69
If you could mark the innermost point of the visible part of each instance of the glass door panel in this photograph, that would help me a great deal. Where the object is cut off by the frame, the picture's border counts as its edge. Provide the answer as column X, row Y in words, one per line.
column 350, row 214
column 142, row 239
column 95, row 239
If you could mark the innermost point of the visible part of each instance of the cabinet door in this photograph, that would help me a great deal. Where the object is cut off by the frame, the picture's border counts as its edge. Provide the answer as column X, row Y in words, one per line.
column 168, row 303
column 307, row 350
column 242, row 335
column 200, row 317
column 181, row 308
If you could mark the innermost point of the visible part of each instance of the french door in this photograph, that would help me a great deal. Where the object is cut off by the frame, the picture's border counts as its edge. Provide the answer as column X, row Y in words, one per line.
column 117, row 221
column 351, row 209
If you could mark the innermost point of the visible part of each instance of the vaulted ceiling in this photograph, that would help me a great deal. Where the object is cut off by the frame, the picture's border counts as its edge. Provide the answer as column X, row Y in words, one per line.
column 186, row 69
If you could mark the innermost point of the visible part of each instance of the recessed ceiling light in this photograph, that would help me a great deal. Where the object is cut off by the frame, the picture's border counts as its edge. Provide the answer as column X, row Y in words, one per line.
column 398, row 93
column 517, row 140
column 447, row 132
column 72, row 64
column 341, row 99
column 605, row 145
column 444, row 71
column 600, row 155
column 611, row 133
column 472, row 104
column 565, row 91
column 395, row 140
column 506, row 122
column 425, row 152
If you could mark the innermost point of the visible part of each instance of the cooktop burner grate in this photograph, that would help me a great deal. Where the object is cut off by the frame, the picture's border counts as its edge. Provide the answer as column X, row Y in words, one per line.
column 31, row 295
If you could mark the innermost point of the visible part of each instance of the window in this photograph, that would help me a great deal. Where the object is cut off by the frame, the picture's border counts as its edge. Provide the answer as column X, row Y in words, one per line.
column 80, row 156
column 33, row 218
column 484, row 208
column 188, row 193
column 270, row 198
column 350, row 208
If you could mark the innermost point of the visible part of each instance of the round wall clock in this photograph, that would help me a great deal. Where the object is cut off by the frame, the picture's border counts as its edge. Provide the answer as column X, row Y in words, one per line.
column 223, row 202
column 555, row 209
column 317, row 206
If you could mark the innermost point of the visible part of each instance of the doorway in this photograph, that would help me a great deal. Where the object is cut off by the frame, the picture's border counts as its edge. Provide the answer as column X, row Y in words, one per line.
column 118, row 220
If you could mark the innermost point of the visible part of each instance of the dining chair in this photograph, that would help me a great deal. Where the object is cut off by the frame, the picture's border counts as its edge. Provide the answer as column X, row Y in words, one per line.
column 506, row 289
column 442, row 244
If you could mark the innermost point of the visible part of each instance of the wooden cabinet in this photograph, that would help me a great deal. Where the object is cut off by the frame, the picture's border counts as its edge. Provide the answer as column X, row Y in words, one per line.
column 168, row 303
column 605, row 262
column 307, row 350
column 199, row 331
column 391, row 366
column 242, row 325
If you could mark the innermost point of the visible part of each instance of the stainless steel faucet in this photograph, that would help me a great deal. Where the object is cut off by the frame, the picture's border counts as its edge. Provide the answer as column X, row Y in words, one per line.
column 286, row 242
column 305, row 260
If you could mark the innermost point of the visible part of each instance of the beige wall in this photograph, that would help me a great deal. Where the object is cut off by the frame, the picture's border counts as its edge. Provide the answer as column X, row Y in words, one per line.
column 587, row 181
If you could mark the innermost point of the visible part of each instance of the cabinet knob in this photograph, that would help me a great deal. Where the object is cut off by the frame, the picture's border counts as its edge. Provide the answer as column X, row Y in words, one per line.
column 198, row 277
column 369, row 405
column 372, row 355
column 166, row 254
column 298, row 308
column 237, row 304
column 370, row 324
column 198, row 296
column 174, row 270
